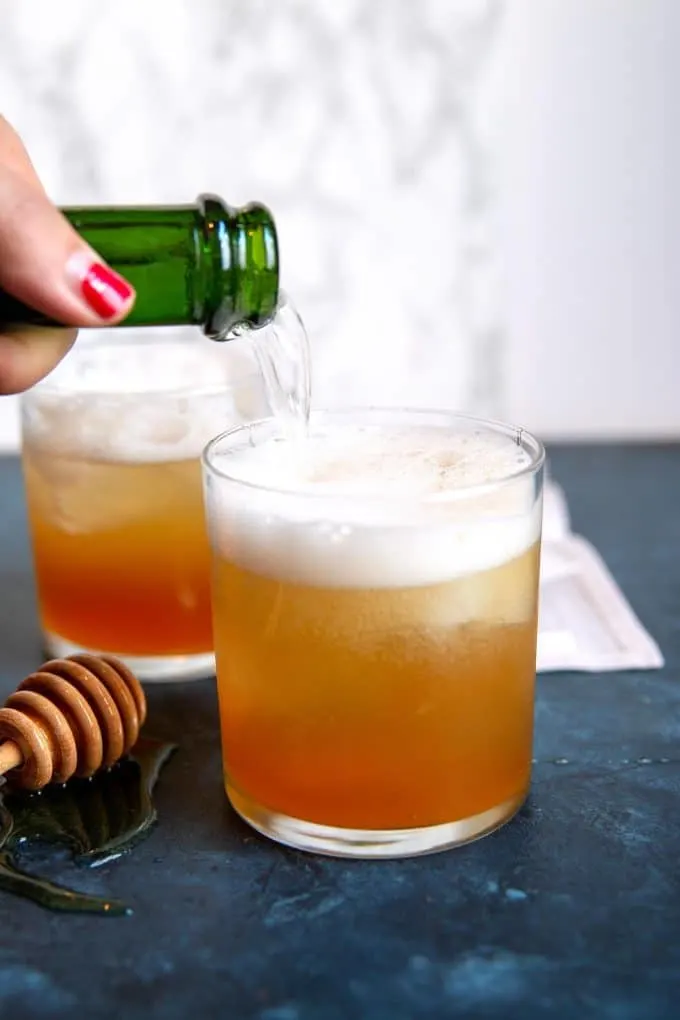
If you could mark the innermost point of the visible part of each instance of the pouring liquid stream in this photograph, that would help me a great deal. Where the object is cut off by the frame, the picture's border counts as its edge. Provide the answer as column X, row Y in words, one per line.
column 283, row 356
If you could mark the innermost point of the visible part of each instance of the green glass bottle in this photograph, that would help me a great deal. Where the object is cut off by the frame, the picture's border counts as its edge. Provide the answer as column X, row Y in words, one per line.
column 204, row 264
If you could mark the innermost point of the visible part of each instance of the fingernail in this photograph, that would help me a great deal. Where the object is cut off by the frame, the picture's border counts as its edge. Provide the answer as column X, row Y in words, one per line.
column 105, row 291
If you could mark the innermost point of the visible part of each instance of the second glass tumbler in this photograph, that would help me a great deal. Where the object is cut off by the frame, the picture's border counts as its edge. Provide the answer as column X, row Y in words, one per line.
column 111, row 446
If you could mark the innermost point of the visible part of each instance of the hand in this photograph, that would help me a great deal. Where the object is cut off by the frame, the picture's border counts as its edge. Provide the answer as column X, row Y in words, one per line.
column 47, row 265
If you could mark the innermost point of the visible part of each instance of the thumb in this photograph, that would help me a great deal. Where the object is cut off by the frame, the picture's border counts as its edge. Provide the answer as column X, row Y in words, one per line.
column 44, row 263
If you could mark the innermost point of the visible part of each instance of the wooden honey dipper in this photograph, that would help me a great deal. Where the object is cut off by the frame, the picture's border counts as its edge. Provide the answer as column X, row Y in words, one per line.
column 71, row 718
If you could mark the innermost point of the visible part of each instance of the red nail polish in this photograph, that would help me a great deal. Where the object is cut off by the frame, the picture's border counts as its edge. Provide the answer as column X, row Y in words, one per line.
column 105, row 291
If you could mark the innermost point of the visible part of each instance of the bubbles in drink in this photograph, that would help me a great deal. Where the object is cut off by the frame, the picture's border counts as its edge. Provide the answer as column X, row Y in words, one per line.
column 365, row 460
column 83, row 496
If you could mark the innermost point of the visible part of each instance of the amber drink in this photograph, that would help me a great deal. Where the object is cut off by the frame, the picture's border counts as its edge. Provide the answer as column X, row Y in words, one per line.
column 111, row 447
column 375, row 609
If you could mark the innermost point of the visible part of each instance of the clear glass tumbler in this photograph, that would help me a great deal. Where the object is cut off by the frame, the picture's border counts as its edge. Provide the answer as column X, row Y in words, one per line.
column 375, row 627
column 111, row 445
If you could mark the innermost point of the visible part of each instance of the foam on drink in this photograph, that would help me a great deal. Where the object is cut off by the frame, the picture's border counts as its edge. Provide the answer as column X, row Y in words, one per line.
column 371, row 507
column 141, row 404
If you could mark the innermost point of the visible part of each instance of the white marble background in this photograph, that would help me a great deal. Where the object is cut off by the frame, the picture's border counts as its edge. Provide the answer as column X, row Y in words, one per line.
column 409, row 151
column 356, row 122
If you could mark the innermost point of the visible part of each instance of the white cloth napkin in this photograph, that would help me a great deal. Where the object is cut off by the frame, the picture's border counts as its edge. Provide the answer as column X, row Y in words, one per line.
column 585, row 621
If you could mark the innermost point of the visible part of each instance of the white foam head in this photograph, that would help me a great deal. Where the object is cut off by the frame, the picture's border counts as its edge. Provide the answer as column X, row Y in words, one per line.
column 142, row 401
column 375, row 507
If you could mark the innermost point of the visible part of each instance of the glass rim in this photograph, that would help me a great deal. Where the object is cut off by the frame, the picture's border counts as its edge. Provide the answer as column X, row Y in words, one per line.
column 520, row 435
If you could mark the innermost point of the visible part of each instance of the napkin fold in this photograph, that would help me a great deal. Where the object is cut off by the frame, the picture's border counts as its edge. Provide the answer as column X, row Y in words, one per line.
column 585, row 621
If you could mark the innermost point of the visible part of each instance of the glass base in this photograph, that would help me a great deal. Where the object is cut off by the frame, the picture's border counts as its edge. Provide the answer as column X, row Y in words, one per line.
column 147, row 668
column 371, row 843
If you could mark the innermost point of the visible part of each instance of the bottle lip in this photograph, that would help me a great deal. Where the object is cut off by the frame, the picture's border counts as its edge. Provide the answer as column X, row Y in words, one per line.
column 243, row 247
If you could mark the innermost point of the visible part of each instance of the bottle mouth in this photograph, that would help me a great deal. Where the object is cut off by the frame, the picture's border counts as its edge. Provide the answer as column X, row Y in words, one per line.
column 243, row 245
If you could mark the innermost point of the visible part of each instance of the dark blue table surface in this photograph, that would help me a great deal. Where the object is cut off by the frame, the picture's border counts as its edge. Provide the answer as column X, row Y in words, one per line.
column 571, row 911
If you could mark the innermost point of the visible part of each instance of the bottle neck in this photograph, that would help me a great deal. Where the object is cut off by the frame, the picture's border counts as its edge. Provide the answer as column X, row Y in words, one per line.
column 205, row 264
